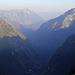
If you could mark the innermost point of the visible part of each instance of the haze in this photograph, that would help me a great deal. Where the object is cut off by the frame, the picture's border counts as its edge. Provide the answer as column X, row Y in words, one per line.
column 44, row 8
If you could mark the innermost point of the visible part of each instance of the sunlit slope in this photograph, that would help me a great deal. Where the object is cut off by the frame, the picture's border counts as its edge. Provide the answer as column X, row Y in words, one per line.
column 17, row 55
column 8, row 30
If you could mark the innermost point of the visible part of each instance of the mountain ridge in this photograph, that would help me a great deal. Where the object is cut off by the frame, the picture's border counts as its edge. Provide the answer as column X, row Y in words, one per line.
column 8, row 30
column 53, row 33
column 23, row 17
column 62, row 18
column 17, row 54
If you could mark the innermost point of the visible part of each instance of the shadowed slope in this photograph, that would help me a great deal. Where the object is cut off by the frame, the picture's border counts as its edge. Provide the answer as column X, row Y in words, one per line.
column 63, row 59
column 17, row 54
column 53, row 33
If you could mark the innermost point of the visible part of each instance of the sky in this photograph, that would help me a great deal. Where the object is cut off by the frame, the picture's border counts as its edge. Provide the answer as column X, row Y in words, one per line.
column 42, row 7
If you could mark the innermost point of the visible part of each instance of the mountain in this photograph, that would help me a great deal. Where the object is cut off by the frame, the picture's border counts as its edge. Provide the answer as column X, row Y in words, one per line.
column 22, row 17
column 17, row 55
column 7, row 30
column 63, row 60
column 52, row 34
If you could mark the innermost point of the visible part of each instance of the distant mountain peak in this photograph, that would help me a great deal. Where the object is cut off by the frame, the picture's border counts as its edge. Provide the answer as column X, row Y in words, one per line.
column 23, row 17
column 24, row 9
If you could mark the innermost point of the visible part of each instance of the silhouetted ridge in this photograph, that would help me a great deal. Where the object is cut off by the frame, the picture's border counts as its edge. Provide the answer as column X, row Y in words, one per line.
column 63, row 59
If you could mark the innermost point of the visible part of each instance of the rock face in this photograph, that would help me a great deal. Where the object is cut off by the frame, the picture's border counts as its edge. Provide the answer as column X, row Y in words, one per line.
column 17, row 55
column 52, row 34
column 63, row 59
column 21, row 17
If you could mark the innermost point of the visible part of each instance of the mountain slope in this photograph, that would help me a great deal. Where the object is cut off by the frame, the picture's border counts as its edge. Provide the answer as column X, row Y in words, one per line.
column 17, row 55
column 63, row 59
column 24, row 17
column 7, row 30
column 53, row 33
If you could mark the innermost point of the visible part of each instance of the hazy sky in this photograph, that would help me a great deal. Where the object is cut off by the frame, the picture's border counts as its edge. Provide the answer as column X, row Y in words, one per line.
column 46, row 6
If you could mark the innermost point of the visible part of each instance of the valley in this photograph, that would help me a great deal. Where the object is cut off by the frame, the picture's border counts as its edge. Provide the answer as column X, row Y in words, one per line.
column 30, row 45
